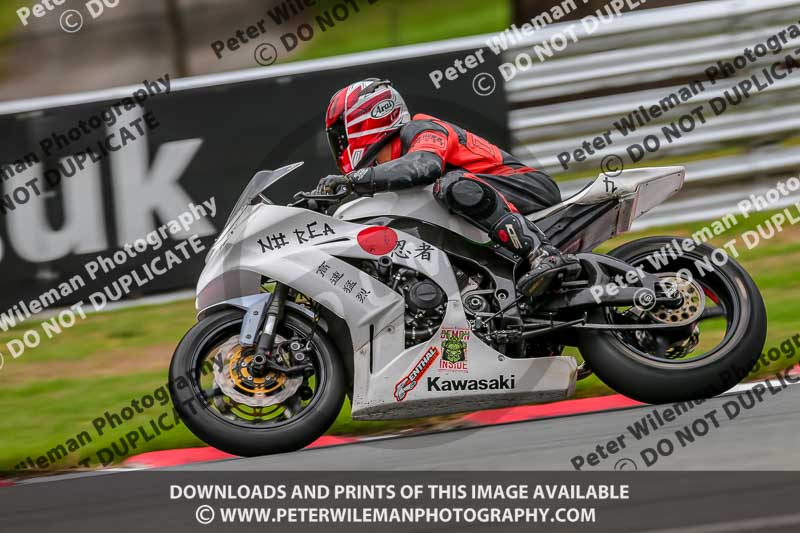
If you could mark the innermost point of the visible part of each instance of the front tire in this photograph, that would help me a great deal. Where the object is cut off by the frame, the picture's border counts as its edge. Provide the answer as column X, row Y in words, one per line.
column 200, row 417
column 628, row 371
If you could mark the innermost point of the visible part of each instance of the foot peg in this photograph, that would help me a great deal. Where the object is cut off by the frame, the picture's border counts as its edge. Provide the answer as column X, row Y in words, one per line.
column 547, row 264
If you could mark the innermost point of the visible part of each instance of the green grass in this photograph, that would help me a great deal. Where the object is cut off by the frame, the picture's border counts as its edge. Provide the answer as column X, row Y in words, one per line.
column 70, row 406
column 45, row 401
column 386, row 24
column 9, row 23
column 126, row 329
column 8, row 17
column 379, row 25
column 53, row 392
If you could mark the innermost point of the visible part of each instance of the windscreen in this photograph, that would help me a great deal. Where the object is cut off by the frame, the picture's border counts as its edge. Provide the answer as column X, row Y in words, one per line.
column 258, row 184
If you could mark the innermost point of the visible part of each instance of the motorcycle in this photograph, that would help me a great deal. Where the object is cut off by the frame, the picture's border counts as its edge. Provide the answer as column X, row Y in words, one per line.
column 410, row 311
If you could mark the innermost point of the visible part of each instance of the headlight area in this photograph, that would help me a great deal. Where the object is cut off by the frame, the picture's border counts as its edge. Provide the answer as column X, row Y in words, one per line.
column 232, row 284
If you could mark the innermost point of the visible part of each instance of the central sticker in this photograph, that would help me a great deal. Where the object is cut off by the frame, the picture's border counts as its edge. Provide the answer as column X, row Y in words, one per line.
column 454, row 350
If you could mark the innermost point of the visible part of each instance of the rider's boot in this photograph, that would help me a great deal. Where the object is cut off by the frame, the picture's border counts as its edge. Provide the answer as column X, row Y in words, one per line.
column 517, row 234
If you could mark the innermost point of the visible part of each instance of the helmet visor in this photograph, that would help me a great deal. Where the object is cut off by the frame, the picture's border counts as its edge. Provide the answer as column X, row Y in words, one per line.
column 337, row 140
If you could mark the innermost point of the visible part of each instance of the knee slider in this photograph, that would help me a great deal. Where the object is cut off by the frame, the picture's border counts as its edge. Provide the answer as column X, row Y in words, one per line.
column 471, row 197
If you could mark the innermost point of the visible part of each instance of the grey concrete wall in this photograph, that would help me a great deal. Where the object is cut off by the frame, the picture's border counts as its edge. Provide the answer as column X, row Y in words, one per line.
column 134, row 41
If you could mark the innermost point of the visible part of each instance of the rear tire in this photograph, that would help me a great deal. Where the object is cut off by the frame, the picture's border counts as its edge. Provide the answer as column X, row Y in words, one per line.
column 648, row 381
column 195, row 412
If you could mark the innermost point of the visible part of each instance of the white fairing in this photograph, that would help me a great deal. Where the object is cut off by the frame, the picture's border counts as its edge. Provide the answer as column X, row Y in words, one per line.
column 417, row 203
column 638, row 189
column 306, row 251
column 313, row 266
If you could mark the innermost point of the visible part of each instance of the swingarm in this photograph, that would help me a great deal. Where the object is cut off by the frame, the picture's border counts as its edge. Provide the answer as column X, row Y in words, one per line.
column 612, row 283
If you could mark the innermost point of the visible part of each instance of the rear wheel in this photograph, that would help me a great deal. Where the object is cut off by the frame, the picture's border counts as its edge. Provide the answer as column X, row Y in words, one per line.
column 228, row 406
column 701, row 360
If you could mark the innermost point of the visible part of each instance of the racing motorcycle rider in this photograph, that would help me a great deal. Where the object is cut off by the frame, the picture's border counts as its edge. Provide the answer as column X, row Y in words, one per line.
column 379, row 147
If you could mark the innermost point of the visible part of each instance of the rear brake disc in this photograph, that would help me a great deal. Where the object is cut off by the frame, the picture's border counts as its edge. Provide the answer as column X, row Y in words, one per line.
column 693, row 302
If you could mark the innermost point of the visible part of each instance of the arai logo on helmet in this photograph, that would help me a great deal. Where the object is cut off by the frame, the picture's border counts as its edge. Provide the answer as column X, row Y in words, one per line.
column 382, row 109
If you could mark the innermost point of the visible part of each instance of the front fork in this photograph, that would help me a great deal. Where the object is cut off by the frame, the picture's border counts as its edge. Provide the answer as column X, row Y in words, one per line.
column 273, row 315
column 271, row 310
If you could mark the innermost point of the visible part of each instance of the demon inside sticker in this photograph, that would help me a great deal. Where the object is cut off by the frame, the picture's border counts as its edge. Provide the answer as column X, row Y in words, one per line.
column 454, row 350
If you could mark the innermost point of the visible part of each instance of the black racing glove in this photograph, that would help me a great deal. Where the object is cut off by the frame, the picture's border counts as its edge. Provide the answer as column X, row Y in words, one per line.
column 362, row 181
column 359, row 182
column 330, row 184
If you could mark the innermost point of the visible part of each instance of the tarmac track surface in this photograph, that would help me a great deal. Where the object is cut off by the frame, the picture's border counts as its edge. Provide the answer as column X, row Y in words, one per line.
column 763, row 437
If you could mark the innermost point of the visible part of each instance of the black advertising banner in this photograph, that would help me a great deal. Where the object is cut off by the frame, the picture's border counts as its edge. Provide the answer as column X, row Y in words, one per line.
column 94, row 191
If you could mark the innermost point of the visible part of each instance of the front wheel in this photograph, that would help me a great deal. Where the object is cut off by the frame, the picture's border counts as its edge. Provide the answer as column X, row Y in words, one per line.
column 699, row 361
column 229, row 406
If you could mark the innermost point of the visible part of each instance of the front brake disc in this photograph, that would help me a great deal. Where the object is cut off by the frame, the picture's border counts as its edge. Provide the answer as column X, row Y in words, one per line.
column 233, row 377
